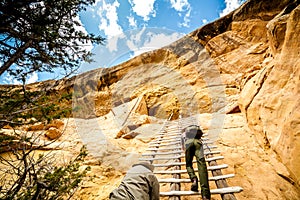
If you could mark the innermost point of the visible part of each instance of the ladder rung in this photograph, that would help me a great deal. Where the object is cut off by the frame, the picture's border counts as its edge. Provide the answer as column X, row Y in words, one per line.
column 185, row 124
column 168, row 137
column 161, row 158
column 178, row 147
column 215, row 178
column 168, row 134
column 164, row 141
column 214, row 158
column 162, row 149
column 180, row 163
column 163, row 153
column 175, row 127
column 174, row 134
column 160, row 145
column 171, row 136
column 173, row 130
column 176, row 180
column 160, row 141
column 226, row 190
column 216, row 167
column 179, row 156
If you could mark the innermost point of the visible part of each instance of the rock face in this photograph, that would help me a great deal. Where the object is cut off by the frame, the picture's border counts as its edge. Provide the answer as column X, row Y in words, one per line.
column 250, row 56
column 271, row 98
column 246, row 63
column 257, row 50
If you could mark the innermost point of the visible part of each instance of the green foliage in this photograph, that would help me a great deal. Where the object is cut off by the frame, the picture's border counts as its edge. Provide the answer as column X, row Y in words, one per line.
column 42, row 35
column 6, row 138
column 42, row 106
column 37, row 178
column 42, row 177
column 38, row 36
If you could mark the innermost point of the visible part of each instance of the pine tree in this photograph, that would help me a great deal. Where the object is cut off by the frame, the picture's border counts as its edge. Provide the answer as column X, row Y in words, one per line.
column 42, row 35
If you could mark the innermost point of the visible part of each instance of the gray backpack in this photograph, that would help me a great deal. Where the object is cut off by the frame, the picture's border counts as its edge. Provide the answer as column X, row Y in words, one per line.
column 193, row 131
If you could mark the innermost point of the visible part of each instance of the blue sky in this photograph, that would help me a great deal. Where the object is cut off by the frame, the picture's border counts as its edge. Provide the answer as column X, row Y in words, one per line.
column 132, row 27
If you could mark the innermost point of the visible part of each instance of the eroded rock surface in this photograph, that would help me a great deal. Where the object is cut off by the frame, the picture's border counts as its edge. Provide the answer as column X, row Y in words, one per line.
column 245, row 65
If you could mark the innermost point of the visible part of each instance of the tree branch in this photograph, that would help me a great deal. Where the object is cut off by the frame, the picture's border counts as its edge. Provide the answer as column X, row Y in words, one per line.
column 15, row 57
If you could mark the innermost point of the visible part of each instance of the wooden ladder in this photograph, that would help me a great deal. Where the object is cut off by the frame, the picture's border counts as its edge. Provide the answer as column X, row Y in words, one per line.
column 166, row 153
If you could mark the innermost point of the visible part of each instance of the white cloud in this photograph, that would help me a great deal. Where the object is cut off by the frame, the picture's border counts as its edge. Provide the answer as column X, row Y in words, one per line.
column 186, row 19
column 135, row 40
column 10, row 80
column 89, row 45
column 143, row 8
column 204, row 21
column 182, row 6
column 153, row 41
column 160, row 40
column 97, row 1
column 112, row 43
column 29, row 79
column 32, row 78
column 230, row 6
column 109, row 19
column 132, row 22
column 131, row 43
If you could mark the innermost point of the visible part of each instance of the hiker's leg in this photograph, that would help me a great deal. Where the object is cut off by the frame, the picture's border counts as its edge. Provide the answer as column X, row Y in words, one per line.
column 189, row 154
column 202, row 170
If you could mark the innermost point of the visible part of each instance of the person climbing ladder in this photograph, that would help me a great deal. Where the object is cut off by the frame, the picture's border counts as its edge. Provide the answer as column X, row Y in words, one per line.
column 192, row 145
column 139, row 183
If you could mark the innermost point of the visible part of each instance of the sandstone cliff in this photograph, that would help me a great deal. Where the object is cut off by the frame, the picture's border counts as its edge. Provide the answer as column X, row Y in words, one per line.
column 244, row 65
column 250, row 56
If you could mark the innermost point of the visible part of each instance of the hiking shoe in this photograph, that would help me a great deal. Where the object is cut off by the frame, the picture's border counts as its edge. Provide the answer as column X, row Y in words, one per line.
column 194, row 185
